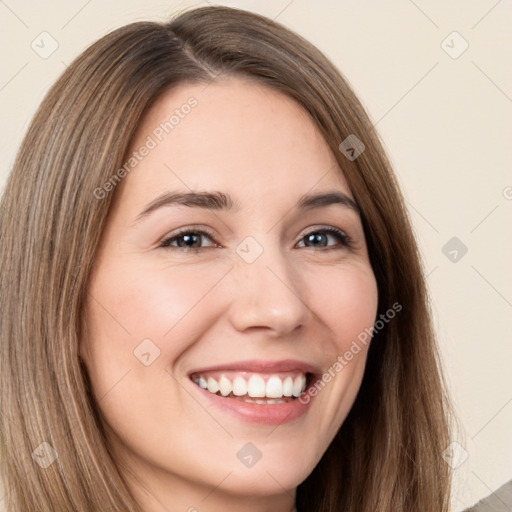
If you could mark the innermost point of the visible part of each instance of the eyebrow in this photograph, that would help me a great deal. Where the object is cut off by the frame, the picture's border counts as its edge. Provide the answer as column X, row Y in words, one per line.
column 219, row 201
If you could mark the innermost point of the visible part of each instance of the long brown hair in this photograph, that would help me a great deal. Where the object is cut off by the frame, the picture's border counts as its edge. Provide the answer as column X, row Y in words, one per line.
column 387, row 455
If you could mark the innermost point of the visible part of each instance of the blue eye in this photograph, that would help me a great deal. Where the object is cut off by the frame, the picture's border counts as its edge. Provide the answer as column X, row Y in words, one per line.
column 190, row 240
column 322, row 234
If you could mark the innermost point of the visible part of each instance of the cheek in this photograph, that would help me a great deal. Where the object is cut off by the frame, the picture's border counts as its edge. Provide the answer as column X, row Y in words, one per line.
column 345, row 300
column 126, row 308
column 169, row 306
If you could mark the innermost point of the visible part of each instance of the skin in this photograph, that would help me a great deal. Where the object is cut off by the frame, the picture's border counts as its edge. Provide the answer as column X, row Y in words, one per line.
column 299, row 301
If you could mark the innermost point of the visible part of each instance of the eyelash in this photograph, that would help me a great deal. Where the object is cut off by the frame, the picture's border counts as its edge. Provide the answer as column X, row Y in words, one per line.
column 342, row 237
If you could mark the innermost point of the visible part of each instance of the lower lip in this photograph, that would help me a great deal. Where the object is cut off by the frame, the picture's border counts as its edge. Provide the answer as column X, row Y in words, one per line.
column 263, row 414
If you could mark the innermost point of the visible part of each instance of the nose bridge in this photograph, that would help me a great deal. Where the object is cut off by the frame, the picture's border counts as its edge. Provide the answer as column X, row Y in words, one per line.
column 267, row 291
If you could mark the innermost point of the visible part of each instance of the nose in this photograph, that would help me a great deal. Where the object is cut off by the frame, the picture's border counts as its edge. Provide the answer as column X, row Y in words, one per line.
column 267, row 294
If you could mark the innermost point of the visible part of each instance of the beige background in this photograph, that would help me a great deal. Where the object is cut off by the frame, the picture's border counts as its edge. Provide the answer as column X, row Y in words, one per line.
column 447, row 125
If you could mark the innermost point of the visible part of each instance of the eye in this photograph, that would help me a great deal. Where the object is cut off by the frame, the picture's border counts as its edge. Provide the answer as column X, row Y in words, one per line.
column 187, row 239
column 190, row 239
column 321, row 235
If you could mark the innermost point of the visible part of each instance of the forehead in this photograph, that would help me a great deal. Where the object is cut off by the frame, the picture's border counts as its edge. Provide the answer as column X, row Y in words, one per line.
column 234, row 135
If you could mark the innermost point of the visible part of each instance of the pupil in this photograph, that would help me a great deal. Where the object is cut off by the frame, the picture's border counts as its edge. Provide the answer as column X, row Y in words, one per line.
column 315, row 237
column 188, row 238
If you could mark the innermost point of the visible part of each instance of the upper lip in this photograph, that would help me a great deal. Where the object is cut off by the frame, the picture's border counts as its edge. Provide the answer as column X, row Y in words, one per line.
column 262, row 366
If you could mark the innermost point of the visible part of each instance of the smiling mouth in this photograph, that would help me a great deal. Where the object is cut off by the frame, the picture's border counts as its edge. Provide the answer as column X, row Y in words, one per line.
column 253, row 387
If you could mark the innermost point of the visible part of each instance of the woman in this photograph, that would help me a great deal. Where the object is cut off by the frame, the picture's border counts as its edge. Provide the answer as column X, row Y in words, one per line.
column 289, row 363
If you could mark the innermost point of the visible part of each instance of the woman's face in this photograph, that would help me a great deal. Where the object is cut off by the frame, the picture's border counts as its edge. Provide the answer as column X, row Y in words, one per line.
column 255, row 296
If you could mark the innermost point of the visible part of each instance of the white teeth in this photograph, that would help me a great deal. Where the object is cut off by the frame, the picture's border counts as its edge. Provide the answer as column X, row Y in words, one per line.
column 256, row 386
column 213, row 386
column 274, row 387
column 225, row 386
column 288, row 386
column 239, row 386
column 298, row 385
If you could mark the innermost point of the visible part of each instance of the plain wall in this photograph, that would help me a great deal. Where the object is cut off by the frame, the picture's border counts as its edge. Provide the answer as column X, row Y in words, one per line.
column 446, row 122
